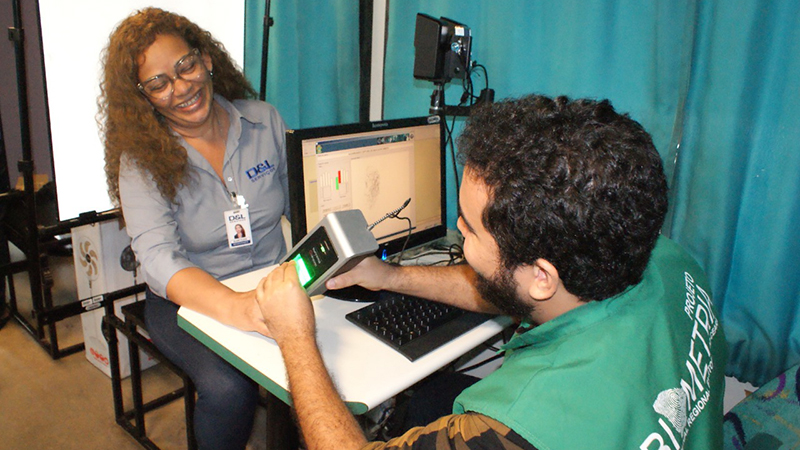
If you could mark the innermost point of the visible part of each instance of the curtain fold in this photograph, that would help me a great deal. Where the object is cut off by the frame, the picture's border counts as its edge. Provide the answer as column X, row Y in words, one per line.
column 313, row 65
column 737, row 202
column 630, row 52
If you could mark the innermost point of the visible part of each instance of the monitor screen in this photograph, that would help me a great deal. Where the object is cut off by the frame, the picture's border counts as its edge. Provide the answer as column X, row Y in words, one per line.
column 375, row 167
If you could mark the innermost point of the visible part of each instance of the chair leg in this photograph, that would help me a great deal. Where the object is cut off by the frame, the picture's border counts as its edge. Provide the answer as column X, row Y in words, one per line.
column 188, row 402
column 136, row 388
column 110, row 334
column 282, row 431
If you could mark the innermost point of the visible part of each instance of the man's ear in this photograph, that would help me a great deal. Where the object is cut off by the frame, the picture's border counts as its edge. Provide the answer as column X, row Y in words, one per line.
column 545, row 280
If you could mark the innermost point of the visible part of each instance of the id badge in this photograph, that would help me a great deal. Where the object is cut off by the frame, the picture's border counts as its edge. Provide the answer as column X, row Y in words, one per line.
column 237, row 225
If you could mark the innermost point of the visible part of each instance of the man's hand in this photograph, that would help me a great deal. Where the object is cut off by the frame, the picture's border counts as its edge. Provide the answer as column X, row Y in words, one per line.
column 285, row 305
column 324, row 419
column 370, row 273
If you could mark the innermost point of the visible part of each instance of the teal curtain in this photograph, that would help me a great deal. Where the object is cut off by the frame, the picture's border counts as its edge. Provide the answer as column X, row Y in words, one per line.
column 629, row 51
column 716, row 82
column 313, row 64
column 737, row 189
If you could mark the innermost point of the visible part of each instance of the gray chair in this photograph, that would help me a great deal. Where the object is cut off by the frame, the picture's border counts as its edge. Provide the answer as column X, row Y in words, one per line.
column 133, row 420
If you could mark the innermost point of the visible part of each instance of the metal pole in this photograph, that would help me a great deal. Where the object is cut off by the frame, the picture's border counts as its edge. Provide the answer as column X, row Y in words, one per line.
column 365, row 14
column 26, row 167
column 268, row 22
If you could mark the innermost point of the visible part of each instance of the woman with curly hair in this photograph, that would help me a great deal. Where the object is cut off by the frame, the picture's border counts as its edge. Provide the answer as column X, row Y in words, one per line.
column 189, row 157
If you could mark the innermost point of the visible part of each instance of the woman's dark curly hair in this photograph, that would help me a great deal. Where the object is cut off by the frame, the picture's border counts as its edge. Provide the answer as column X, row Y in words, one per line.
column 572, row 182
column 128, row 123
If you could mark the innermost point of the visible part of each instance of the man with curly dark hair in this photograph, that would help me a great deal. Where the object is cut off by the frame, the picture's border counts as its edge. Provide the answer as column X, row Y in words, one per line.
column 618, row 346
column 580, row 185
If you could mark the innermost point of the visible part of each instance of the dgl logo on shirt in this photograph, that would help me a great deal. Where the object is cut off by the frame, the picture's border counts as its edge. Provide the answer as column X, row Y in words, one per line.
column 260, row 170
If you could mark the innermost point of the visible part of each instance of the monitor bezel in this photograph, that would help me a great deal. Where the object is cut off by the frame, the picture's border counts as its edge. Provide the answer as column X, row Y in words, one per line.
column 294, row 158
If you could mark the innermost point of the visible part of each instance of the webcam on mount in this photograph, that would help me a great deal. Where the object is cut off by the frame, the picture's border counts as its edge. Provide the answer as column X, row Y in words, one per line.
column 442, row 51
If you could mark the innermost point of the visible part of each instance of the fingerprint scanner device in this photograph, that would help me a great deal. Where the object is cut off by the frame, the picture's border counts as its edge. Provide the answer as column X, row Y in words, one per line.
column 338, row 242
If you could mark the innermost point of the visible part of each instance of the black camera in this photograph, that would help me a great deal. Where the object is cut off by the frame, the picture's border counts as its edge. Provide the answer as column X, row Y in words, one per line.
column 442, row 49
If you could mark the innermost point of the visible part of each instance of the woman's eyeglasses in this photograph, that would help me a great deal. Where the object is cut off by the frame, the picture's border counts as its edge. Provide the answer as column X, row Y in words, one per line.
column 188, row 68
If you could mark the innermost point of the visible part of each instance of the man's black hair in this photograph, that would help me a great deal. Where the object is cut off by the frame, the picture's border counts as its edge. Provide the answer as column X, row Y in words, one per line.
column 572, row 182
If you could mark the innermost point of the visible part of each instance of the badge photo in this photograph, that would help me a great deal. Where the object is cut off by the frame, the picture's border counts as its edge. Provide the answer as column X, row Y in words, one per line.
column 237, row 225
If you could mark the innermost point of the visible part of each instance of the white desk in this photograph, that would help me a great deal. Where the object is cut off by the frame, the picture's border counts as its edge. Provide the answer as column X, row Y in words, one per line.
column 366, row 371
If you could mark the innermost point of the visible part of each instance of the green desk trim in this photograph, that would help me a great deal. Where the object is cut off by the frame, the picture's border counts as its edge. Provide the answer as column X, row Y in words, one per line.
column 276, row 390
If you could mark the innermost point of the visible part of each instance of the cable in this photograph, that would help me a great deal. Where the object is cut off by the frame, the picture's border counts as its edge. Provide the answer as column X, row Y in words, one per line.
column 402, row 250
column 451, row 142
column 485, row 73
column 469, row 94
column 429, row 253
column 455, row 255
column 389, row 214
column 449, row 261
column 482, row 363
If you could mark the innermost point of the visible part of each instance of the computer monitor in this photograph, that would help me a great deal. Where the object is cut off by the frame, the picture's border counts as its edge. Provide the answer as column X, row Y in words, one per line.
column 374, row 167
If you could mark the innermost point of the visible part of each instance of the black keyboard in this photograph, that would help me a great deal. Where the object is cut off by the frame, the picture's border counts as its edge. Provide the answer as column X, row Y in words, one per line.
column 413, row 326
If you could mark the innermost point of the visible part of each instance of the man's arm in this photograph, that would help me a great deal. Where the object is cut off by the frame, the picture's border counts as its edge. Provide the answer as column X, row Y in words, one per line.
column 324, row 419
column 453, row 285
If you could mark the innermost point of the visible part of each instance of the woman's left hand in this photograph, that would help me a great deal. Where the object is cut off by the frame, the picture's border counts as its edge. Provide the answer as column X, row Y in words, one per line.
column 246, row 314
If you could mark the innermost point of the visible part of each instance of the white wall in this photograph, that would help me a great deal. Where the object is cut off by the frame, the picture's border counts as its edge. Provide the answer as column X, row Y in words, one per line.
column 73, row 36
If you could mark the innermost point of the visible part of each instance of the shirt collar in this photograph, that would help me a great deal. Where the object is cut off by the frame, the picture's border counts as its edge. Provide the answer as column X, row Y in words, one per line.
column 243, row 111
column 571, row 322
column 582, row 317
column 235, row 126
column 588, row 314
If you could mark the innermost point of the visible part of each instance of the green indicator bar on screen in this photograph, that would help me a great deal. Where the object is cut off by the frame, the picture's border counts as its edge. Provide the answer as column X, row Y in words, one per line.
column 302, row 270
column 336, row 181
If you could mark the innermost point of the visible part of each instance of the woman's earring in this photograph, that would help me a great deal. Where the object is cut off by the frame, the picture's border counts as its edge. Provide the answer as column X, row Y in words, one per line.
column 211, row 73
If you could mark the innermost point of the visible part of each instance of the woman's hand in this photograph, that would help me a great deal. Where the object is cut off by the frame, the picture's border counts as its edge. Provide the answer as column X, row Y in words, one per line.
column 195, row 289
column 246, row 314
column 284, row 304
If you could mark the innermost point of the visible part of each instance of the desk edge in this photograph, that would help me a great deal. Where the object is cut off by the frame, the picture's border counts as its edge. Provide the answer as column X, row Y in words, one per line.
column 355, row 407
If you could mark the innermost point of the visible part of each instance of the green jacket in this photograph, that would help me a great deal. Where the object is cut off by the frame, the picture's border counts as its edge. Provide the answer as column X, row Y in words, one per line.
column 642, row 370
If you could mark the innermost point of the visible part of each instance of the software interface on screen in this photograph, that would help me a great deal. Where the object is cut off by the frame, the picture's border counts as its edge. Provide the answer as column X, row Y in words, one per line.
column 376, row 172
